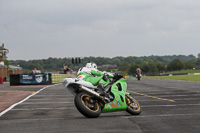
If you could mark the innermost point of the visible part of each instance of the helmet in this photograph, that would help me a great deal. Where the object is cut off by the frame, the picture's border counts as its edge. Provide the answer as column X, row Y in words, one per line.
column 91, row 65
column 88, row 65
column 94, row 65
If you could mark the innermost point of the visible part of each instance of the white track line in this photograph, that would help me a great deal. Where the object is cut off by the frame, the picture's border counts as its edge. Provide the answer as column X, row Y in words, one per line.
column 24, row 109
column 52, row 96
column 12, row 106
column 46, row 102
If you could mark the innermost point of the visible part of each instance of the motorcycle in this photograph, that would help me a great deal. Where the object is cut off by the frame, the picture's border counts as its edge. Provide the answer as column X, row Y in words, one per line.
column 138, row 76
column 91, row 103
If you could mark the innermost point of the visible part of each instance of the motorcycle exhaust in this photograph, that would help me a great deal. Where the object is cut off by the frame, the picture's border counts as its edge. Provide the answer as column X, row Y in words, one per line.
column 92, row 92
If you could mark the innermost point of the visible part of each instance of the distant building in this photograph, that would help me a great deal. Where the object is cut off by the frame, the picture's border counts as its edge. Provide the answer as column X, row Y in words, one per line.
column 3, row 52
column 3, row 67
column 15, row 70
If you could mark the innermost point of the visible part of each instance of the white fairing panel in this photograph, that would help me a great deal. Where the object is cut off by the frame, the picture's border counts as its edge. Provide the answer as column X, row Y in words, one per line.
column 69, row 82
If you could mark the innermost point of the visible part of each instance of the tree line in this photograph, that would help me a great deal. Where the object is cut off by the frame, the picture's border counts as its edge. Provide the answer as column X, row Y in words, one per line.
column 150, row 65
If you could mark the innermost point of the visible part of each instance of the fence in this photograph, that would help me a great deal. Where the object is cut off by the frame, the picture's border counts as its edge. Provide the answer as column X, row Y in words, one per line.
column 58, row 78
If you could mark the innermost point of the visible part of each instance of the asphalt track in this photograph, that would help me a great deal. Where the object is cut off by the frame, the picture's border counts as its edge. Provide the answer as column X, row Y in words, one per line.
column 168, row 106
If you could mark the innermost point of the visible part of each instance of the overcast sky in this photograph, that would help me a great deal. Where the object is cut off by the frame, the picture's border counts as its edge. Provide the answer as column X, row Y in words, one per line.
column 39, row 29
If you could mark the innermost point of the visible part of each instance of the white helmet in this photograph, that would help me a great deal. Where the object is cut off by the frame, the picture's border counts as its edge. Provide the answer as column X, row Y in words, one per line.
column 91, row 65
column 94, row 65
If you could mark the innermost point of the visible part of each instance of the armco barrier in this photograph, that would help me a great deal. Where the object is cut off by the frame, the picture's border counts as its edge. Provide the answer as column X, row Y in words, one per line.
column 126, row 77
column 193, row 73
column 129, row 76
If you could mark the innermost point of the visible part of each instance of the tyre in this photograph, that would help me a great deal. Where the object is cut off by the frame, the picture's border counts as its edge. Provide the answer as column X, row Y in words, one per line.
column 138, row 77
column 133, row 106
column 87, row 106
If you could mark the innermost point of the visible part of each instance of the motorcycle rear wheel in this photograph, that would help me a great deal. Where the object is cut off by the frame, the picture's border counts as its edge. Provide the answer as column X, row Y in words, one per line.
column 86, row 107
column 133, row 106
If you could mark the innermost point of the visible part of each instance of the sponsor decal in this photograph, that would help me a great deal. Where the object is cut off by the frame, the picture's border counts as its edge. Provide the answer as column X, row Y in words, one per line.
column 79, row 77
column 39, row 78
column 114, row 104
column 111, row 105
column 118, row 102
column 27, row 77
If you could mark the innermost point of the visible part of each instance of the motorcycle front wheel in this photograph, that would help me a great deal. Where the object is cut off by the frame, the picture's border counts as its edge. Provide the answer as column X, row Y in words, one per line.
column 138, row 77
column 87, row 106
column 133, row 106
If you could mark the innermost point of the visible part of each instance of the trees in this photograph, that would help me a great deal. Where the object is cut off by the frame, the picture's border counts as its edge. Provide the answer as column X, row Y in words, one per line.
column 162, row 67
column 190, row 64
column 148, row 64
column 176, row 64
column 132, row 68
column 123, row 66
column 198, row 55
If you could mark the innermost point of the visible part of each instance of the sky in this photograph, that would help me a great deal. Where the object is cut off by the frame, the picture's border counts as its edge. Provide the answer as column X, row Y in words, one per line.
column 39, row 29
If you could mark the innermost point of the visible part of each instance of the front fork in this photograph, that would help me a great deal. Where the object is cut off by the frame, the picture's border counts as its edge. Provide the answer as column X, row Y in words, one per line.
column 130, row 101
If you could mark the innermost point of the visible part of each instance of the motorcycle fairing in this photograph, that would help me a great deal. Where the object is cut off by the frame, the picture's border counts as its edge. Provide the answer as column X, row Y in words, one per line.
column 119, row 102
column 71, row 83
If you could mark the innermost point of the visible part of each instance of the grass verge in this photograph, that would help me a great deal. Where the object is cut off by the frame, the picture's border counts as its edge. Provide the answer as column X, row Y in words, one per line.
column 176, row 77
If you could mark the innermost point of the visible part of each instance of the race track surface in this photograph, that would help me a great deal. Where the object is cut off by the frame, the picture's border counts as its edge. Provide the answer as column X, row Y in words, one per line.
column 168, row 106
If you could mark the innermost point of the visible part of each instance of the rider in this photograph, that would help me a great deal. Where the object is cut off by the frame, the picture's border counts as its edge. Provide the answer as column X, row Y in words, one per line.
column 138, row 71
column 91, row 74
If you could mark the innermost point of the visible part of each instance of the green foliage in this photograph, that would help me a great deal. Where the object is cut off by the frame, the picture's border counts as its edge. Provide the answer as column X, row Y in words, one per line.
column 198, row 55
column 184, row 71
column 177, row 77
column 190, row 64
column 132, row 68
column 123, row 66
column 150, row 65
column 6, row 62
column 176, row 64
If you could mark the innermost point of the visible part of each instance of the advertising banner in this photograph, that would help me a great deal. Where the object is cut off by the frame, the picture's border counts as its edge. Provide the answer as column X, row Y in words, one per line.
column 33, row 79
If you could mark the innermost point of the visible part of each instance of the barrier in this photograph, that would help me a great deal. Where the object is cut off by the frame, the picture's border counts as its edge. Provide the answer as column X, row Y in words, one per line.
column 1, row 80
column 193, row 73
column 14, row 79
column 30, row 79
column 129, row 76
column 126, row 77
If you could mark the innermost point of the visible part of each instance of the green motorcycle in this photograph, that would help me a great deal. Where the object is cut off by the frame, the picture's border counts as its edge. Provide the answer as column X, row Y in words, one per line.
column 91, row 102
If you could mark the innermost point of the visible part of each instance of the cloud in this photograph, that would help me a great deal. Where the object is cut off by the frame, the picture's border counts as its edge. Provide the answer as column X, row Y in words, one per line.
column 88, row 27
